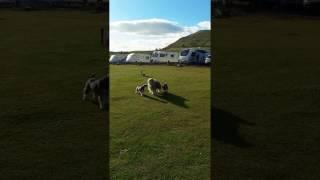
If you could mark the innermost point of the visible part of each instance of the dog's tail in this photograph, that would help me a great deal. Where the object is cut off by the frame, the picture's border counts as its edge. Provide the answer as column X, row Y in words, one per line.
column 144, row 74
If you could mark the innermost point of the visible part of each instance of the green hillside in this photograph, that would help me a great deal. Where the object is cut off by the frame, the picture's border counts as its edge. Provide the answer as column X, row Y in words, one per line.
column 198, row 39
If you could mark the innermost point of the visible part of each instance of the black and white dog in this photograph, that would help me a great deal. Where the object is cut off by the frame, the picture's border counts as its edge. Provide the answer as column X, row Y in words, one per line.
column 154, row 86
column 98, row 89
column 140, row 89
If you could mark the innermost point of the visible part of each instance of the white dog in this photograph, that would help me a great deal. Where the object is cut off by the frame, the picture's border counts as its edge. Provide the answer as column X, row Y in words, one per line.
column 154, row 86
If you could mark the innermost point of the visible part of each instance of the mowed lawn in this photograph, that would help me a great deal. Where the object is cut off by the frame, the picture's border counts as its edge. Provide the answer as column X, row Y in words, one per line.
column 160, row 137
column 266, row 98
column 47, row 132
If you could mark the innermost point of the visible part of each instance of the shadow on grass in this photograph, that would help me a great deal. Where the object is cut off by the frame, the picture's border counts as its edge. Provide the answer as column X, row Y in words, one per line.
column 153, row 98
column 225, row 128
column 174, row 99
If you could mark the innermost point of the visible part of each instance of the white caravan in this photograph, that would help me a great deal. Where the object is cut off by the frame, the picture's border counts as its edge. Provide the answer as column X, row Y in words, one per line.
column 138, row 58
column 208, row 59
column 193, row 56
column 164, row 57
column 117, row 58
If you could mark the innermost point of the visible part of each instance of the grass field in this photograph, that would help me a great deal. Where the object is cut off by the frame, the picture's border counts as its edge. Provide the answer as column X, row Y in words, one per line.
column 47, row 132
column 160, row 137
column 266, row 98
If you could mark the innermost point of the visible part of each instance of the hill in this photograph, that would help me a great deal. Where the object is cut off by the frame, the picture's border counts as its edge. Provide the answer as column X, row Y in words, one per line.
column 198, row 39
column 201, row 39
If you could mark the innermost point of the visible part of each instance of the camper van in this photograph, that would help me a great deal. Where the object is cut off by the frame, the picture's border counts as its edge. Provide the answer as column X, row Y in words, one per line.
column 164, row 57
column 117, row 59
column 193, row 56
column 138, row 58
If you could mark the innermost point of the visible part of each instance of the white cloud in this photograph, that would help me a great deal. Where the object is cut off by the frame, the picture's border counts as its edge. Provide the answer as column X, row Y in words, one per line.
column 205, row 25
column 148, row 34
column 147, row 26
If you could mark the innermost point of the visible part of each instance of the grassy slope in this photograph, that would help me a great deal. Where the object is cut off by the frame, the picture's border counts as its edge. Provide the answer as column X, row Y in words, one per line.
column 266, row 98
column 46, row 130
column 164, row 138
column 199, row 39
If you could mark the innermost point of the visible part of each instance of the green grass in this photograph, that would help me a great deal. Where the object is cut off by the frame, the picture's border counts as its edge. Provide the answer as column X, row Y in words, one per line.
column 266, row 98
column 47, row 132
column 154, row 137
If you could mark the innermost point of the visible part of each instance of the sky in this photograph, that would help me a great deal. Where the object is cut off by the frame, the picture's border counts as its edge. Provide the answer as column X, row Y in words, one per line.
column 151, row 24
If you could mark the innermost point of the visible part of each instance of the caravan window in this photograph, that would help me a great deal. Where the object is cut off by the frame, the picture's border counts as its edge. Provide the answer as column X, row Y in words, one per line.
column 185, row 52
column 147, row 57
column 162, row 55
column 172, row 55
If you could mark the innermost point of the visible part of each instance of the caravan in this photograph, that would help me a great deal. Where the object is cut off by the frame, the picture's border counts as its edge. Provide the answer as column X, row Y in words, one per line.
column 118, row 58
column 193, row 56
column 138, row 58
column 164, row 57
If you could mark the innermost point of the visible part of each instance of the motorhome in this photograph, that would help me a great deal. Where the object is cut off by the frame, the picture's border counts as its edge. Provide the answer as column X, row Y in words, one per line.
column 117, row 58
column 164, row 57
column 138, row 58
column 193, row 56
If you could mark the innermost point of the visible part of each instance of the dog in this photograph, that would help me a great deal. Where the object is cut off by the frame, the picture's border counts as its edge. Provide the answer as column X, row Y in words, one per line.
column 140, row 89
column 98, row 89
column 165, row 88
column 154, row 86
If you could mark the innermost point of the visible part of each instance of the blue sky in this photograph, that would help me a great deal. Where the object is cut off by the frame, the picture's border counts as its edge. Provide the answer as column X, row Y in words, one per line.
column 186, row 12
column 150, row 24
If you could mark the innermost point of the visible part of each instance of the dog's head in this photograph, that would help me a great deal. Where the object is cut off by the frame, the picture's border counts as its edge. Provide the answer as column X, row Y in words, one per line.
column 165, row 86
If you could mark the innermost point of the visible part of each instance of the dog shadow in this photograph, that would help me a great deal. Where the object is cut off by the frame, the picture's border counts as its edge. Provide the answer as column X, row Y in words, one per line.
column 225, row 128
column 174, row 99
column 153, row 98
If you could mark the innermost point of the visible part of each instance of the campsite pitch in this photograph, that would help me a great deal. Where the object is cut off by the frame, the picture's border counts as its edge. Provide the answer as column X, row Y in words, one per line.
column 163, row 137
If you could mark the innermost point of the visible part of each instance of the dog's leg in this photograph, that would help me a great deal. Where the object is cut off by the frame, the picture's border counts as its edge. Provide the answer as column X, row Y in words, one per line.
column 149, row 89
column 152, row 91
column 100, row 102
